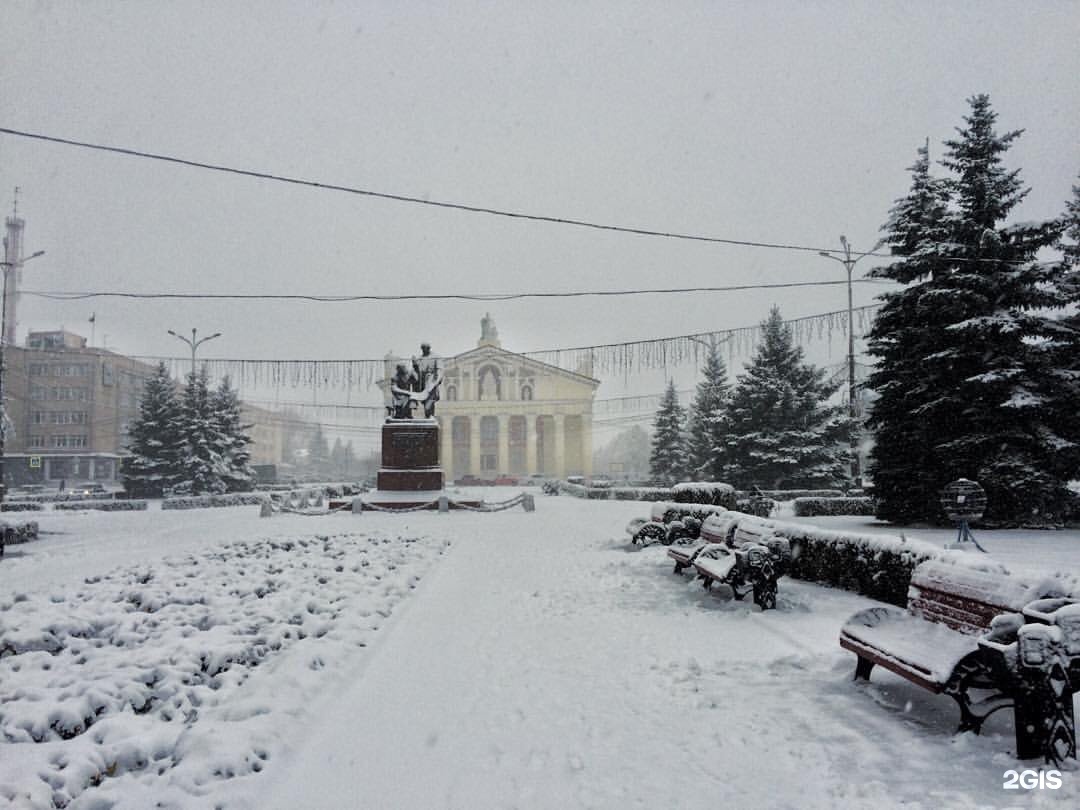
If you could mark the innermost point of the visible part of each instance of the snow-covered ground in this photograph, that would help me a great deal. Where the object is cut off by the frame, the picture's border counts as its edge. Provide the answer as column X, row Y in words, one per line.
column 210, row 659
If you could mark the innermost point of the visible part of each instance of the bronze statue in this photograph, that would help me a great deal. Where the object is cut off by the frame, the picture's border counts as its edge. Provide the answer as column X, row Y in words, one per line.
column 428, row 378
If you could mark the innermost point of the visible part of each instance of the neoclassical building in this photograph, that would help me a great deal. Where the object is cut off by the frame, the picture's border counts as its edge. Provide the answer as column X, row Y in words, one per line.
column 502, row 413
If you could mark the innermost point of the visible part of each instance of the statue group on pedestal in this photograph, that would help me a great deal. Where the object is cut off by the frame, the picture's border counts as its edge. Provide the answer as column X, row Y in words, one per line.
column 418, row 384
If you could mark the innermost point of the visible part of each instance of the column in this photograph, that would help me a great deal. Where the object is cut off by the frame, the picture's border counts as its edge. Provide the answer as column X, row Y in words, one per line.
column 560, row 445
column 530, row 444
column 474, row 445
column 446, row 446
column 586, row 445
column 503, row 464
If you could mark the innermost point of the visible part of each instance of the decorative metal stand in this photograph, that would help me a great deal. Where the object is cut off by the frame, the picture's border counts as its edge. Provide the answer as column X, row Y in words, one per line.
column 963, row 501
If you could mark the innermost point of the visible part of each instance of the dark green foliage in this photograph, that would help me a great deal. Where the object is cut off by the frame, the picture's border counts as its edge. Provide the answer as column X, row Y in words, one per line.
column 236, row 472
column 713, row 494
column 706, row 419
column 154, row 439
column 668, row 460
column 812, row 507
column 961, row 373
column 780, row 431
column 853, row 565
column 204, row 446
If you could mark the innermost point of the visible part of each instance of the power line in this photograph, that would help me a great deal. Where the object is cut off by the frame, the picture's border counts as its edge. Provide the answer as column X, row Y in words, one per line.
column 474, row 209
column 79, row 296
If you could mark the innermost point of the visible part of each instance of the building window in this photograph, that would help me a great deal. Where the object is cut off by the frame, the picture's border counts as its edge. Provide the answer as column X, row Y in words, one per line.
column 70, row 441
column 451, row 393
column 37, row 441
column 526, row 392
column 489, row 429
column 487, row 462
column 38, row 392
column 38, row 369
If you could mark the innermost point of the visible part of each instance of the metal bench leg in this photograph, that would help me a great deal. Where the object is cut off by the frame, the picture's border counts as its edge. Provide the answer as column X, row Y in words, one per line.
column 862, row 668
column 1044, row 715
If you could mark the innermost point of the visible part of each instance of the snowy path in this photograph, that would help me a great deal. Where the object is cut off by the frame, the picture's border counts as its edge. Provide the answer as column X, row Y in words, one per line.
column 559, row 669
column 539, row 662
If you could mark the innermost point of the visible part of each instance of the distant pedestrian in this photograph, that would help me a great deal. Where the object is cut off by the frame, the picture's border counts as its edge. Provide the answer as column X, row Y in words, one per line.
column 63, row 484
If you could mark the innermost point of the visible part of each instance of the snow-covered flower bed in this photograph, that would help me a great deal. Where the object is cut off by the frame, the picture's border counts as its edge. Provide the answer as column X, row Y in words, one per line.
column 155, row 682
column 102, row 506
column 813, row 507
column 56, row 497
column 792, row 494
column 207, row 501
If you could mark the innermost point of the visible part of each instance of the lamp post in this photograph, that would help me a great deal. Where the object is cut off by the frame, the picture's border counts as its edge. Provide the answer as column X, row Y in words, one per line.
column 194, row 344
column 9, row 264
column 849, row 261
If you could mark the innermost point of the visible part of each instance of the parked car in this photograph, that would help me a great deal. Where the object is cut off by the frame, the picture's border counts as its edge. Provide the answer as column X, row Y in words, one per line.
column 601, row 482
column 506, row 481
column 575, row 479
column 470, row 481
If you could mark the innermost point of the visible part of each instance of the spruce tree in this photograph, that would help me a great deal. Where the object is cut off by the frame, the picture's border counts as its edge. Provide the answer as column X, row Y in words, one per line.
column 204, row 448
column 706, row 419
column 780, row 430
column 908, row 329
column 237, row 474
column 668, row 460
column 966, row 394
column 153, row 440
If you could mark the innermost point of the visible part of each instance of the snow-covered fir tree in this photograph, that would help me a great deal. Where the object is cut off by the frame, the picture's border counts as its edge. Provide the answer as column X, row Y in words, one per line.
column 237, row 474
column 959, row 378
column 706, row 419
column 153, row 439
column 668, row 460
column 204, row 447
column 780, row 430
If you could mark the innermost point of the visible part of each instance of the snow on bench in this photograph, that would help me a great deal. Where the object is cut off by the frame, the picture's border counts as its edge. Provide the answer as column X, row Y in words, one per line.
column 753, row 562
column 717, row 528
column 935, row 642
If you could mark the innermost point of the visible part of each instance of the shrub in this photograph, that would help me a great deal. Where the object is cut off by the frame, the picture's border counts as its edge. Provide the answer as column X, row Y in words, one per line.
column 21, row 506
column 102, row 506
column 714, row 493
column 812, row 507
column 208, row 501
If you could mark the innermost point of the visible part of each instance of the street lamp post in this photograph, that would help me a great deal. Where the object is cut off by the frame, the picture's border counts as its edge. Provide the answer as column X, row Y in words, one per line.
column 849, row 260
column 8, row 265
column 194, row 344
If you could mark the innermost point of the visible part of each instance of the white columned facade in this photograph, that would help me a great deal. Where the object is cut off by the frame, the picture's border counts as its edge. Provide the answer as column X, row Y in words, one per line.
column 502, row 465
column 586, row 444
column 474, row 445
column 530, row 443
column 560, row 445
column 446, row 447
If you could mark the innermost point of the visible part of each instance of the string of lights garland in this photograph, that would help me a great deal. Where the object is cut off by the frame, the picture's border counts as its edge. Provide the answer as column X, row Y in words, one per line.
column 610, row 359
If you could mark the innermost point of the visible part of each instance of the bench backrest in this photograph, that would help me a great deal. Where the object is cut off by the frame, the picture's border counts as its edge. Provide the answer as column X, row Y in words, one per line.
column 750, row 534
column 718, row 528
column 964, row 599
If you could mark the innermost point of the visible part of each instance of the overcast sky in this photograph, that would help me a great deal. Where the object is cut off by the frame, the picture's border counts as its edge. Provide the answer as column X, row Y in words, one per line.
column 772, row 121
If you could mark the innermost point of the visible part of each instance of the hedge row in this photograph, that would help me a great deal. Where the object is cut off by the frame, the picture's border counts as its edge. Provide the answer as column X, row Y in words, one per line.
column 791, row 494
column 207, row 501
column 21, row 506
column 813, row 507
column 710, row 492
column 102, row 506
column 57, row 497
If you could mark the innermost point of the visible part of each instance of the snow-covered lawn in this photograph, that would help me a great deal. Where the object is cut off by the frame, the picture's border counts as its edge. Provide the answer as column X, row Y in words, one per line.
column 214, row 659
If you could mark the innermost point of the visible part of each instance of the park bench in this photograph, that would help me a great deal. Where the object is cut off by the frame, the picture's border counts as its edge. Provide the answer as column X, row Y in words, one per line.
column 753, row 563
column 718, row 528
column 670, row 523
column 973, row 635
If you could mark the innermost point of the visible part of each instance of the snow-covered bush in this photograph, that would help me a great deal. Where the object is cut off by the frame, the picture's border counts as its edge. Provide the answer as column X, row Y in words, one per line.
column 641, row 493
column 21, row 506
column 714, row 493
column 102, row 506
column 207, row 501
column 758, row 507
column 811, row 507
column 57, row 497
column 18, row 531
column 792, row 494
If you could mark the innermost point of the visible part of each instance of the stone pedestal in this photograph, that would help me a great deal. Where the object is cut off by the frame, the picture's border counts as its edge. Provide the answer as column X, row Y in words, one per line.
column 410, row 456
